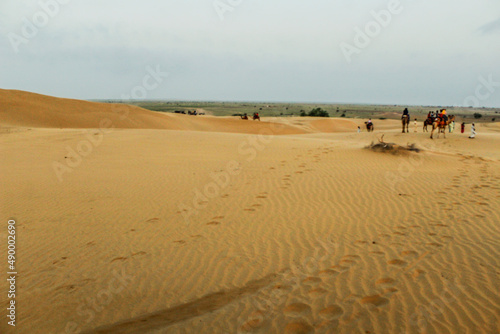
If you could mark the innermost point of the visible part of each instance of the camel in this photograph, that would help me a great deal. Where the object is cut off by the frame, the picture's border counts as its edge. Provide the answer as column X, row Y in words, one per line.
column 441, row 125
column 427, row 122
column 405, row 120
column 244, row 116
column 256, row 116
column 369, row 126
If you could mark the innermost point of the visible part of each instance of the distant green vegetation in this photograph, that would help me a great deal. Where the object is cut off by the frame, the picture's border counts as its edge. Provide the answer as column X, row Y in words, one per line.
column 299, row 109
column 316, row 112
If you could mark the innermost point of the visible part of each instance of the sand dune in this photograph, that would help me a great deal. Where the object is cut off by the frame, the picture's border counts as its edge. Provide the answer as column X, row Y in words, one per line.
column 208, row 230
column 23, row 109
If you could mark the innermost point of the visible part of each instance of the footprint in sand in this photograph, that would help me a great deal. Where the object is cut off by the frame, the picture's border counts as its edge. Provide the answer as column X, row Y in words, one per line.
column 225, row 196
column 331, row 312
column 347, row 262
column 181, row 242
column 408, row 253
column 298, row 328
column 439, row 225
column 417, row 273
column 261, row 196
column 340, row 268
column 316, row 292
column 397, row 262
column 218, row 217
column 296, row 310
column 250, row 209
column 434, row 244
column 213, row 223
column 375, row 300
column 119, row 259
column 255, row 321
column 328, row 273
column 141, row 253
column 152, row 220
column 377, row 253
column 312, row 280
column 386, row 283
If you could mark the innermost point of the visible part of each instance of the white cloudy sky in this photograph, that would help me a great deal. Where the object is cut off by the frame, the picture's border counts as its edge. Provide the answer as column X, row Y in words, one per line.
column 432, row 53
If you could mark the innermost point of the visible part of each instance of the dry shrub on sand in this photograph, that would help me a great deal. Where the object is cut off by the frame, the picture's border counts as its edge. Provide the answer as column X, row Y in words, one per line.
column 392, row 148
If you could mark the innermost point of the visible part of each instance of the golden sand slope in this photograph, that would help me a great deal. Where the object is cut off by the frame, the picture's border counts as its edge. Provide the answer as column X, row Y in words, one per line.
column 203, row 232
column 23, row 109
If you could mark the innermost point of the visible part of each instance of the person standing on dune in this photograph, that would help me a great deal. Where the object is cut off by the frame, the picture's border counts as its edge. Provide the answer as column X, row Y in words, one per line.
column 415, row 124
column 462, row 127
column 472, row 131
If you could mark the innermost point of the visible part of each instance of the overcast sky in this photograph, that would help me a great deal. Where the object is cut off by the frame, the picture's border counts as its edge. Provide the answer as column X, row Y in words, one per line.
column 430, row 52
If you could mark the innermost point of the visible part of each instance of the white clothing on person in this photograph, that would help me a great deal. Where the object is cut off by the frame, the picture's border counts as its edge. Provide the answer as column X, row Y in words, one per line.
column 472, row 131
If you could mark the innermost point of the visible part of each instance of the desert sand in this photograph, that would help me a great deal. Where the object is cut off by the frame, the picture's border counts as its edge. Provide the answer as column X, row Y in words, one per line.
column 131, row 221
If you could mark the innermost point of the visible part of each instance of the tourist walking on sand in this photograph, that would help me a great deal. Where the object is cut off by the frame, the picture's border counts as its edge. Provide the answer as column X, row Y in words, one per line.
column 415, row 124
column 472, row 131
column 462, row 127
column 359, row 129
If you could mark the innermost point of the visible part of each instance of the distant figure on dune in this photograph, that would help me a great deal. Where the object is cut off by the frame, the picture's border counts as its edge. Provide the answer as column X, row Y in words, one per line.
column 405, row 120
column 256, row 116
column 415, row 124
column 472, row 131
column 244, row 116
column 359, row 129
column 462, row 127
column 369, row 125
column 451, row 127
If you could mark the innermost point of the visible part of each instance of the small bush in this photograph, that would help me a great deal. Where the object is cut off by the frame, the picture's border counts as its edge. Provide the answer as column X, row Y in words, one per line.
column 477, row 115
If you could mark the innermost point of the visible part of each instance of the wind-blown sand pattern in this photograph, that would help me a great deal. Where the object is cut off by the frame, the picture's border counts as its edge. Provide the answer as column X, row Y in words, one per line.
column 305, row 231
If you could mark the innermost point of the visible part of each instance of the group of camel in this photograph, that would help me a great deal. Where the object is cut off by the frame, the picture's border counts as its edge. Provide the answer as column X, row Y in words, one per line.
column 439, row 123
column 254, row 117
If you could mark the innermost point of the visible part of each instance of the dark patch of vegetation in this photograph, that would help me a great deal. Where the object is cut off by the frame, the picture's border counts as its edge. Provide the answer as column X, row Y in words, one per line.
column 477, row 115
column 316, row 112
